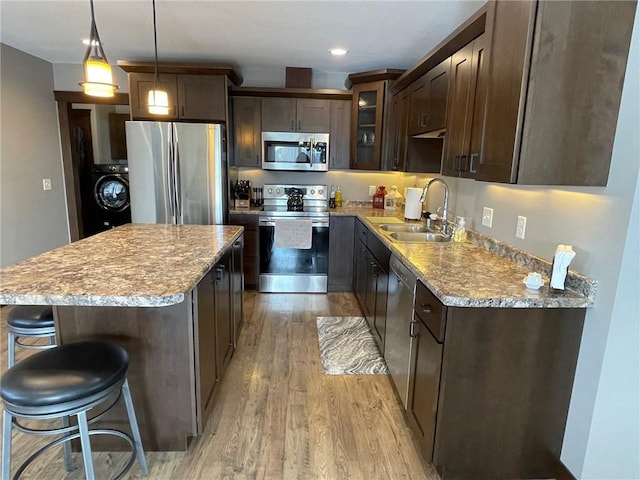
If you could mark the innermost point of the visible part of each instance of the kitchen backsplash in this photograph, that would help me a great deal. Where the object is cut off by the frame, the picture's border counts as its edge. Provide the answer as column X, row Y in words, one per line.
column 354, row 184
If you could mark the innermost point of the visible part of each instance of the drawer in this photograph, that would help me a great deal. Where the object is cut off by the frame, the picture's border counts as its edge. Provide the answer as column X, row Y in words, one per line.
column 431, row 311
column 379, row 250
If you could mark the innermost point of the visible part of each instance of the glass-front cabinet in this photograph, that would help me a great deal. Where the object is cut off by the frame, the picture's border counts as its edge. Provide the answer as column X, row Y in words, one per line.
column 366, row 133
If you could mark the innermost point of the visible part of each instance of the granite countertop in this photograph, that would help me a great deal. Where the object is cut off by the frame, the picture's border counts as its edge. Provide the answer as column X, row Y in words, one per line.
column 133, row 265
column 481, row 272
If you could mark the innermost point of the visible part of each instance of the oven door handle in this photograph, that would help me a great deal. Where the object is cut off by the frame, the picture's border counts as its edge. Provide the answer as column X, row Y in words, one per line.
column 311, row 151
column 271, row 222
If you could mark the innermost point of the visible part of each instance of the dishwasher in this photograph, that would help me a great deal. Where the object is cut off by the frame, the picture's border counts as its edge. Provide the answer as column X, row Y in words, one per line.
column 397, row 346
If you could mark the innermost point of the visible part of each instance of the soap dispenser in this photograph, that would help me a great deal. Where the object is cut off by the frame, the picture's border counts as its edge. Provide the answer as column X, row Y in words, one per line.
column 460, row 232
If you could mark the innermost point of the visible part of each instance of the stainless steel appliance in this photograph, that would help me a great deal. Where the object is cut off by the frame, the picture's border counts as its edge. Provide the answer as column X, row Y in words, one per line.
column 397, row 346
column 294, row 269
column 295, row 151
column 177, row 173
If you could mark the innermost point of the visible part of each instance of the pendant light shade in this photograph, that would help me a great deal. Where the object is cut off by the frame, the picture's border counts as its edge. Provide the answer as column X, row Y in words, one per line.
column 98, row 78
column 158, row 100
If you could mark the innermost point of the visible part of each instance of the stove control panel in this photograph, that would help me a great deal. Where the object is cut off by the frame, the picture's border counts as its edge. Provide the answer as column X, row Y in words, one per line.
column 282, row 192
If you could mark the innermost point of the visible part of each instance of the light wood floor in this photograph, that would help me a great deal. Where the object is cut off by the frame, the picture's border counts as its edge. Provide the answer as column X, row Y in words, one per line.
column 277, row 416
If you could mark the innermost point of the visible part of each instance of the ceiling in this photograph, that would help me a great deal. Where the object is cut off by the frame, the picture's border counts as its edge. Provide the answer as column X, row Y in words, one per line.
column 246, row 34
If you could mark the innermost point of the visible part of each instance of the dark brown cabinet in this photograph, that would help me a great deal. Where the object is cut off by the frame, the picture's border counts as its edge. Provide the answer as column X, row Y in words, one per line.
column 366, row 125
column 339, row 134
column 296, row 115
column 485, row 381
column 396, row 140
column 191, row 97
column 467, row 95
column 247, row 132
column 341, row 244
column 250, row 251
column 214, row 332
column 371, row 276
column 206, row 352
column 428, row 97
column 223, row 313
column 555, row 76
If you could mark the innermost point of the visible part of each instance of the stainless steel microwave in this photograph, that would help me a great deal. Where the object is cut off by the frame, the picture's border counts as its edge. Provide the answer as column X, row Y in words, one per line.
column 295, row 151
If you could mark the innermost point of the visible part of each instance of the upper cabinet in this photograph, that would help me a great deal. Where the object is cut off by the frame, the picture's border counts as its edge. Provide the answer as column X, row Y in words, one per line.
column 467, row 96
column 396, row 139
column 428, row 97
column 191, row 97
column 366, row 125
column 339, row 134
column 196, row 92
column 296, row 115
column 555, row 75
column 369, row 103
column 247, row 133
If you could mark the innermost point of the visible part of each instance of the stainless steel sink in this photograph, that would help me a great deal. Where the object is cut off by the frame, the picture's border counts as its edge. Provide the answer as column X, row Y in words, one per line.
column 411, row 233
column 404, row 227
column 418, row 237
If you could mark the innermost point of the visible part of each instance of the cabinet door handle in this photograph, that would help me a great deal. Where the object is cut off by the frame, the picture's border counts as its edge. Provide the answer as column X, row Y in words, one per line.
column 219, row 273
column 412, row 330
column 463, row 159
column 293, row 124
column 299, row 124
column 426, row 308
column 456, row 164
column 182, row 111
column 373, row 268
column 472, row 158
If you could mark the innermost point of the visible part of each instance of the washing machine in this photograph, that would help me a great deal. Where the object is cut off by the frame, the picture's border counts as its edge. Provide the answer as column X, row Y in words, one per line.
column 107, row 203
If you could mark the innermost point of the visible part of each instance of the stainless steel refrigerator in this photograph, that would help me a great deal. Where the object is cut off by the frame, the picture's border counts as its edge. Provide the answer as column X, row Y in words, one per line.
column 177, row 173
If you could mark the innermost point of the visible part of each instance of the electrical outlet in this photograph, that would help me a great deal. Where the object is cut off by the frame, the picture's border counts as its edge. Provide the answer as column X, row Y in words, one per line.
column 487, row 217
column 521, row 225
column 372, row 190
column 46, row 184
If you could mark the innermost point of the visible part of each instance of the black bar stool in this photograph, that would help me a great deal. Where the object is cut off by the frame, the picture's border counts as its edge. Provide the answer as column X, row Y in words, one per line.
column 63, row 381
column 29, row 321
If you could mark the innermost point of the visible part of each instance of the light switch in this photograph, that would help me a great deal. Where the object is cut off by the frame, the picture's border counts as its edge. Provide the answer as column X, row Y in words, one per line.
column 46, row 184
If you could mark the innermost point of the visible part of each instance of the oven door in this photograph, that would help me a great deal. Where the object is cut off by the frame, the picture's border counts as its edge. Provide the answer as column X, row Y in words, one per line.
column 294, row 151
column 292, row 270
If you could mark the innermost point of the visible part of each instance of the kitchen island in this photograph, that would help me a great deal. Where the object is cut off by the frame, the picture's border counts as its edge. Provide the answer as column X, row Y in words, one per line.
column 162, row 292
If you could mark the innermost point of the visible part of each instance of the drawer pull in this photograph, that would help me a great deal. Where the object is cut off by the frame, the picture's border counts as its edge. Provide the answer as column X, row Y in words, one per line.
column 426, row 308
column 412, row 330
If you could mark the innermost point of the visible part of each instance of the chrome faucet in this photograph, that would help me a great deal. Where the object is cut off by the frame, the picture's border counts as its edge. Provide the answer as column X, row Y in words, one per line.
column 445, row 207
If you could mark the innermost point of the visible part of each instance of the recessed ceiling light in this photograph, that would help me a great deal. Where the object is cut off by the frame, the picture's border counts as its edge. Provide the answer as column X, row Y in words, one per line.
column 338, row 51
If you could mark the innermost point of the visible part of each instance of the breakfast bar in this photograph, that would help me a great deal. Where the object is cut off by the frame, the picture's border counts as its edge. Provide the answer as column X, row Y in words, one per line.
column 160, row 291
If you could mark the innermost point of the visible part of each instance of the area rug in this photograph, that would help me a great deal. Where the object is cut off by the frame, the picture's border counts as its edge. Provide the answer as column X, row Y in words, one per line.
column 348, row 348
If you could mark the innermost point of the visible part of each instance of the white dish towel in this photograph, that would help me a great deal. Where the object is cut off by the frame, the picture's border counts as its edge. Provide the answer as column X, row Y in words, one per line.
column 293, row 233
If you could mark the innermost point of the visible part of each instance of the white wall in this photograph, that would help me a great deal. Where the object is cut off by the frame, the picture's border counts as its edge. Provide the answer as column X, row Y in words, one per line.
column 32, row 221
column 595, row 221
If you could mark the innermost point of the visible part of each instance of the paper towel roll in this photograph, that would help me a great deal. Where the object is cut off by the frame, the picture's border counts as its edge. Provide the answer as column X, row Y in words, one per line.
column 412, row 206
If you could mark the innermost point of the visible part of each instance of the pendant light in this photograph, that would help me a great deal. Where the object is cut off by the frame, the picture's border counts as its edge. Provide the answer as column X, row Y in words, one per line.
column 158, row 100
column 98, row 79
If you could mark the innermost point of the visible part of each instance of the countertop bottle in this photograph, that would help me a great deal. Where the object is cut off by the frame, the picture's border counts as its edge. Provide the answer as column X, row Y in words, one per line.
column 332, row 198
column 338, row 196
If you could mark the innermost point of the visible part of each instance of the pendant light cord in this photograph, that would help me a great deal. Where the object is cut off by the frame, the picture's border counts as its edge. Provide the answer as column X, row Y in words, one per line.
column 155, row 46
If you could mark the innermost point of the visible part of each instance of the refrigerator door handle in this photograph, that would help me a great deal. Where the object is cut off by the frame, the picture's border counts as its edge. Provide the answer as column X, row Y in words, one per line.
column 170, row 182
column 176, row 177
